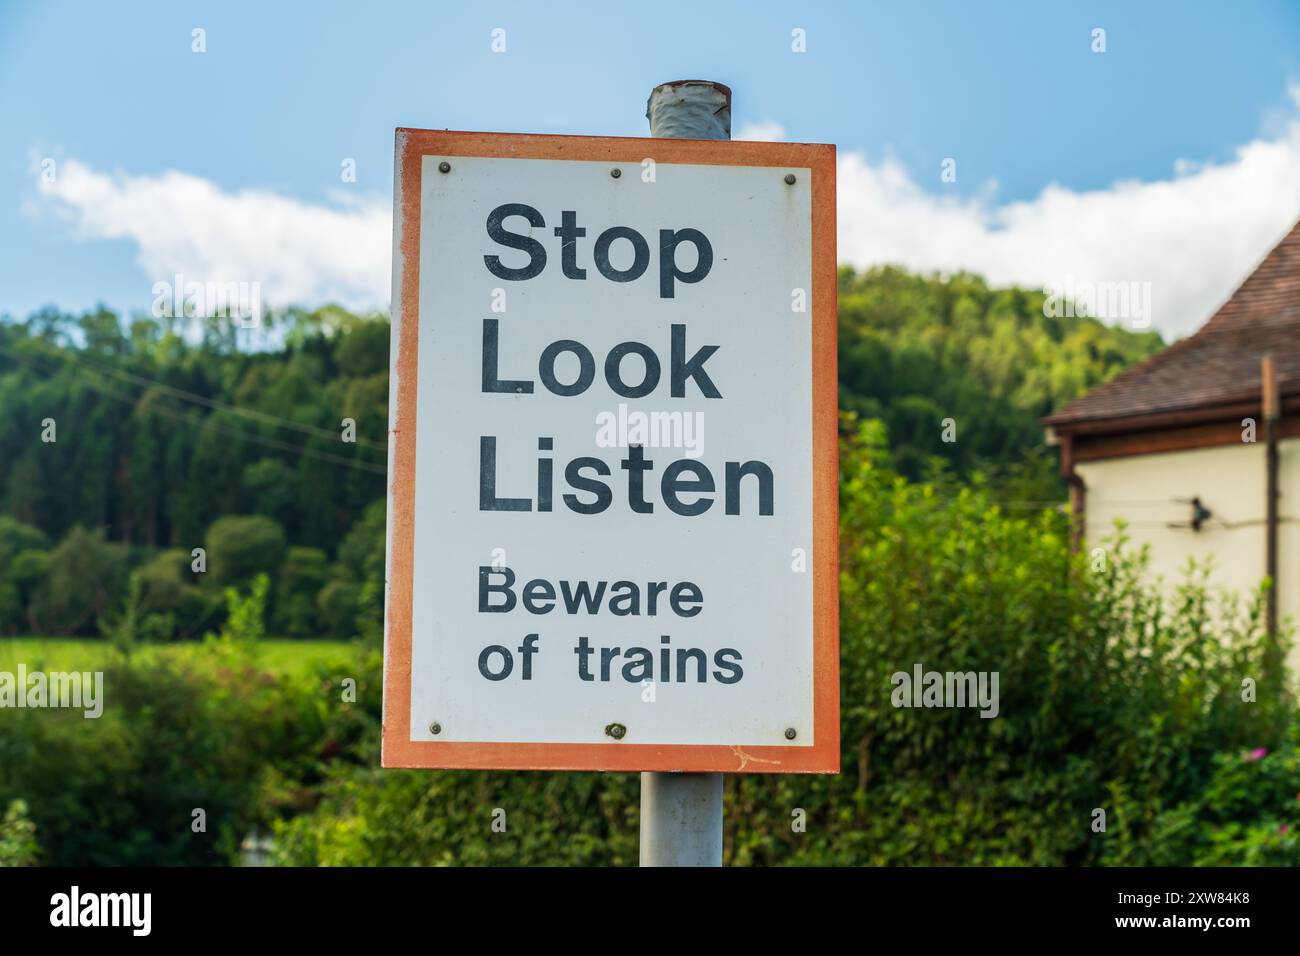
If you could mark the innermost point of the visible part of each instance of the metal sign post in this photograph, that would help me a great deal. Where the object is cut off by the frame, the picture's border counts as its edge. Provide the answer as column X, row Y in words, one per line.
column 681, row 813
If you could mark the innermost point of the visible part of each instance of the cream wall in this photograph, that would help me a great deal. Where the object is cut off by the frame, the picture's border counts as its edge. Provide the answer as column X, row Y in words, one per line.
column 1230, row 481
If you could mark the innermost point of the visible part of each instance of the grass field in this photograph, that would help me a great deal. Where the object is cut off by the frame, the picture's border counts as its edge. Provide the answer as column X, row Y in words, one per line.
column 68, row 654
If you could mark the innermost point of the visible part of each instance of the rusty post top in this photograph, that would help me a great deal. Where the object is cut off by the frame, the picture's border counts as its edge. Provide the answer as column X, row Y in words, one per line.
column 690, row 109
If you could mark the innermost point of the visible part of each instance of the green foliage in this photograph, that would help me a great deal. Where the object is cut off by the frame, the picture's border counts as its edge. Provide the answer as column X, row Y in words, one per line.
column 361, row 559
column 163, row 442
column 915, row 350
column 192, row 443
column 246, row 614
column 241, row 547
column 16, row 537
column 301, row 577
column 372, row 817
column 279, row 657
column 1108, row 699
column 83, row 578
column 217, row 732
column 1104, row 688
column 18, row 846
column 171, row 603
column 1248, row 814
column 337, row 605
column 20, row 576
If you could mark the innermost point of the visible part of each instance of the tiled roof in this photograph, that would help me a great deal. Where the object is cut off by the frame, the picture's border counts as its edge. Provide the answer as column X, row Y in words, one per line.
column 1220, row 363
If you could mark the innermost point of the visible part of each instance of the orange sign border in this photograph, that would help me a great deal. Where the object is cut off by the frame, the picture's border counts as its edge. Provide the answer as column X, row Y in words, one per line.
column 398, row 749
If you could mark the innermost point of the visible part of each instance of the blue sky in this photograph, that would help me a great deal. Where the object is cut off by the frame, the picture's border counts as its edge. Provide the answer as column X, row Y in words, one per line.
column 286, row 91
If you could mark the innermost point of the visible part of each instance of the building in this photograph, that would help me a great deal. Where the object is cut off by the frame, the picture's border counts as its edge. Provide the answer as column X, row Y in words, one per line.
column 1178, row 446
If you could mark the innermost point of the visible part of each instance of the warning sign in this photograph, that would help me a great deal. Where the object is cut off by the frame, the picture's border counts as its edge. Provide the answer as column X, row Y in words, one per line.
column 613, row 455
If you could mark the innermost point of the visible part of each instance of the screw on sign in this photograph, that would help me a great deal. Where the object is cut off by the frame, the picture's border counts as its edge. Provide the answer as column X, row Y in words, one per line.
column 567, row 596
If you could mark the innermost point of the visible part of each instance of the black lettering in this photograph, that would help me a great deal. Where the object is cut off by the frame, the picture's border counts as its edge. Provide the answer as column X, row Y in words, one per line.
column 635, row 671
column 582, row 594
column 570, row 232
column 487, row 481
column 573, row 475
column 613, row 369
column 499, row 234
column 683, row 593
column 607, row 655
column 586, row 367
column 652, row 598
column 583, row 652
column 668, row 271
column 640, row 249
column 636, row 465
column 734, row 670
column 683, row 370
column 629, row 601
column 486, row 588
column 736, row 471
column 491, row 351
column 507, row 662
column 701, row 664
column 536, row 592
column 671, row 485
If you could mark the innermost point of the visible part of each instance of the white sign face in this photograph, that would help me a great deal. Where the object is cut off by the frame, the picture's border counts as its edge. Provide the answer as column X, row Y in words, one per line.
column 612, row 557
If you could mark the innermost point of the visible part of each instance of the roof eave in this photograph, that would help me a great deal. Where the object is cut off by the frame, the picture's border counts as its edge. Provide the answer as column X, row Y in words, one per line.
column 1239, row 406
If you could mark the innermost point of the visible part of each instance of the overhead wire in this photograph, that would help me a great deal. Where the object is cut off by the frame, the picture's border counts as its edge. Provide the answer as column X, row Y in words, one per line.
column 211, row 402
column 209, row 422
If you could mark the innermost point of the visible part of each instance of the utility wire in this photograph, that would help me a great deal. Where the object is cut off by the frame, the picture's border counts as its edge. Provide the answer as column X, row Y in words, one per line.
column 188, row 396
column 235, row 432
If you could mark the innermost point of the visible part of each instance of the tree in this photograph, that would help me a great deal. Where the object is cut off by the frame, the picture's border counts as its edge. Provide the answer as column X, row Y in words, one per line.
column 83, row 580
column 239, row 547
column 301, row 577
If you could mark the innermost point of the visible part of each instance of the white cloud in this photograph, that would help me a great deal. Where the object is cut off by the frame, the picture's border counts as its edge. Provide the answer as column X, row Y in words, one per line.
column 766, row 131
column 301, row 253
column 1193, row 236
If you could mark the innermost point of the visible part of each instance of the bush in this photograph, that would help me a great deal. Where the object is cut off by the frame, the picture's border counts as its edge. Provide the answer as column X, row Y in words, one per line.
column 83, row 579
column 1248, row 814
column 22, row 564
column 170, row 603
column 16, row 537
column 302, row 577
column 372, row 817
column 246, row 614
column 336, row 607
column 240, row 547
column 17, row 837
column 215, row 732
column 1109, row 698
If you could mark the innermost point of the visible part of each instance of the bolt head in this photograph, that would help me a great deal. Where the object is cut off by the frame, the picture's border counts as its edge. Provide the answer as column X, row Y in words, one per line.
column 790, row 733
column 435, row 728
column 617, row 731
column 789, row 179
column 616, row 173
column 444, row 167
